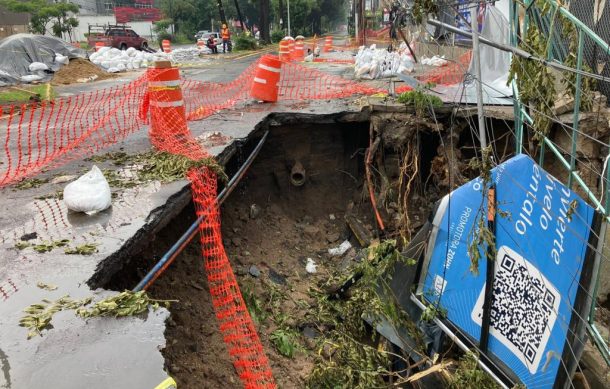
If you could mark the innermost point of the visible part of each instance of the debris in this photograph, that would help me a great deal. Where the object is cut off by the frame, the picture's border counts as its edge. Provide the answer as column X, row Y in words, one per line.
column 255, row 210
column 361, row 233
column 43, row 247
column 254, row 271
column 277, row 277
column 332, row 237
column 331, row 216
column 127, row 303
column 434, row 61
column 63, row 179
column 341, row 249
column 45, row 286
column 311, row 266
column 90, row 193
column 30, row 236
column 83, row 249
column 39, row 315
column 310, row 332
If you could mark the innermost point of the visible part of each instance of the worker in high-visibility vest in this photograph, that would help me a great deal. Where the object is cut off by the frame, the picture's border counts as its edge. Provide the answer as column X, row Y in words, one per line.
column 225, row 34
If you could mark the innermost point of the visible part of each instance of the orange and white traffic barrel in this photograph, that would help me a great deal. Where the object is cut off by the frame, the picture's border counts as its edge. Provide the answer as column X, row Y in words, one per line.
column 284, row 50
column 266, row 79
column 290, row 44
column 298, row 54
column 166, row 46
column 99, row 45
column 328, row 44
column 167, row 111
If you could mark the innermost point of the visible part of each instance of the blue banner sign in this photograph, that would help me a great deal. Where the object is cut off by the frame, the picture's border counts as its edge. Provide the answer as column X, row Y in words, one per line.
column 542, row 234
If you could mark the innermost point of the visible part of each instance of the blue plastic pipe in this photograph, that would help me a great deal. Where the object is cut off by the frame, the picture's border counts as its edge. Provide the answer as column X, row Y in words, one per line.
column 186, row 238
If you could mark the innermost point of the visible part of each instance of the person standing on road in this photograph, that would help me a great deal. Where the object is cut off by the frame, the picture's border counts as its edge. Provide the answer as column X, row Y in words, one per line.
column 226, row 37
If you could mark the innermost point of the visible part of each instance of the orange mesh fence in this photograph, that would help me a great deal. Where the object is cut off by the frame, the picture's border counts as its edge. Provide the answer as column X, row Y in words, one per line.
column 453, row 73
column 169, row 132
column 43, row 135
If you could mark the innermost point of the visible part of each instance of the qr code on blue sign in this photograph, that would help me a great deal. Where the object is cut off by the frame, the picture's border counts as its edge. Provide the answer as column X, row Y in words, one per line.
column 524, row 308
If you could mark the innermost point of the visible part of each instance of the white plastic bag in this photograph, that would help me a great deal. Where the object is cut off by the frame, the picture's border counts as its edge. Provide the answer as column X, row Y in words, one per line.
column 310, row 267
column 90, row 193
column 36, row 66
column 341, row 249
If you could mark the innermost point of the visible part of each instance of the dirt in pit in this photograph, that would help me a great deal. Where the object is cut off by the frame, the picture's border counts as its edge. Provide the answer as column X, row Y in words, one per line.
column 79, row 70
column 270, row 228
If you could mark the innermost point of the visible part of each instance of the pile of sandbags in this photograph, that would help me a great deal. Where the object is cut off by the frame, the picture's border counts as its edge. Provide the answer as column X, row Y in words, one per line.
column 373, row 63
column 114, row 60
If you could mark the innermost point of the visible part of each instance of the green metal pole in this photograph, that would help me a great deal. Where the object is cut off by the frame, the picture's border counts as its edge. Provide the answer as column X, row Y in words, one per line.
column 577, row 98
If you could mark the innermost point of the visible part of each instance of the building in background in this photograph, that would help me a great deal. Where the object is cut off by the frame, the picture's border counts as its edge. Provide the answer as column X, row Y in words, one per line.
column 139, row 14
column 13, row 23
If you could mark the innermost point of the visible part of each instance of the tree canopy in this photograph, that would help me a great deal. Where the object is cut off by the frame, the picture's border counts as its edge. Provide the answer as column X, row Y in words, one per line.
column 307, row 16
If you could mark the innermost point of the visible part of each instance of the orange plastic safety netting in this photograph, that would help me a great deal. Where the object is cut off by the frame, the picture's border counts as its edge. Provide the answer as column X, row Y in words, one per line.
column 169, row 132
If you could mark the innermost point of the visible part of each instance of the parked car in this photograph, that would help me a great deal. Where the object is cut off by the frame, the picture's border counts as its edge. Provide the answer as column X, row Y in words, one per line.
column 216, row 36
column 200, row 34
column 119, row 36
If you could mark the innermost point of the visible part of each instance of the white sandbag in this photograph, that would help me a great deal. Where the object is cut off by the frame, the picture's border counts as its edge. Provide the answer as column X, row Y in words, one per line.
column 113, row 70
column 90, row 193
column 31, row 77
column 37, row 66
column 103, row 50
column 62, row 59
column 131, row 51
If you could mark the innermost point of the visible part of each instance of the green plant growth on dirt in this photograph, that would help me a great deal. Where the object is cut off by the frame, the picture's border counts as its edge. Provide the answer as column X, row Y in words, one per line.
column 420, row 99
column 285, row 342
column 38, row 316
column 245, row 42
column 348, row 357
column 25, row 94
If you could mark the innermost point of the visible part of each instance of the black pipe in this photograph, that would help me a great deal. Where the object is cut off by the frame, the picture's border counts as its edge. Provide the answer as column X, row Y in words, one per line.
column 186, row 238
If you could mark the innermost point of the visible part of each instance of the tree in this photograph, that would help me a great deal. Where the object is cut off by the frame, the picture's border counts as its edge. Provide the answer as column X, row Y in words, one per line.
column 64, row 22
column 264, row 21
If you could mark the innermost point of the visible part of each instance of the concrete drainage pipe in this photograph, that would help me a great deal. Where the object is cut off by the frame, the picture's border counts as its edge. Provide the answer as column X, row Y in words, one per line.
column 297, row 174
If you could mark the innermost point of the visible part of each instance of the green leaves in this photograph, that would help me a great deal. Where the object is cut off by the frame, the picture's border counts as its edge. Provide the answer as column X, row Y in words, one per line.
column 284, row 341
column 38, row 316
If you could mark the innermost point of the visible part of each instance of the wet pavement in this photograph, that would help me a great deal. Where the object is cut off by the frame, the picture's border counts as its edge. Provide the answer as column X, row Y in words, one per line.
column 109, row 352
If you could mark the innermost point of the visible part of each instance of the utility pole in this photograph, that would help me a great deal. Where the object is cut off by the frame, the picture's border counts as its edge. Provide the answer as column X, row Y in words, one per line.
column 221, row 11
column 288, row 9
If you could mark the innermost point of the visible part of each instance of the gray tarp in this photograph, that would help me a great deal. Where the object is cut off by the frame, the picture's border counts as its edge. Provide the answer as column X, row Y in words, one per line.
column 18, row 51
